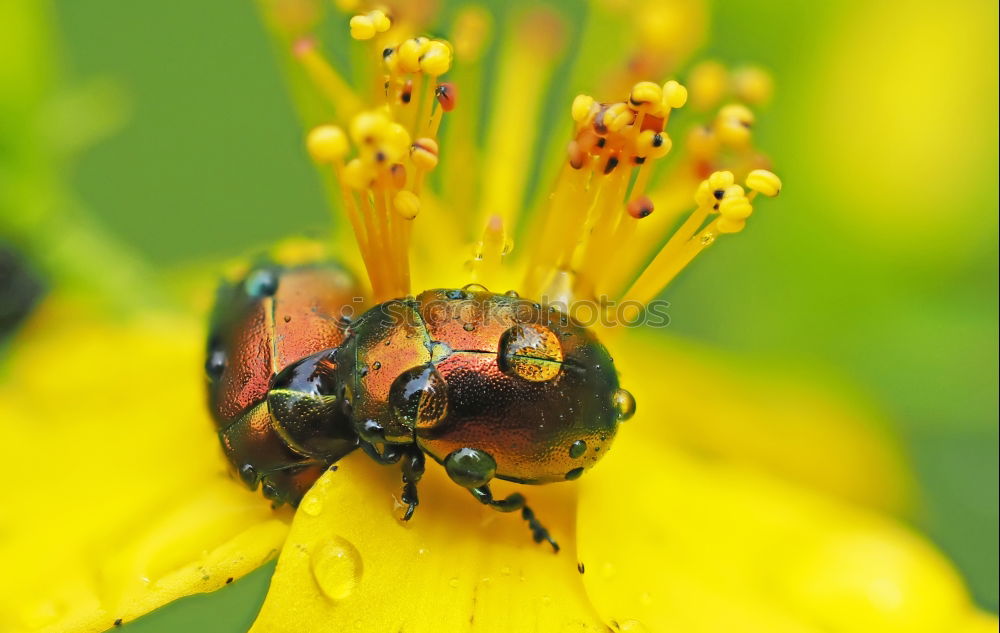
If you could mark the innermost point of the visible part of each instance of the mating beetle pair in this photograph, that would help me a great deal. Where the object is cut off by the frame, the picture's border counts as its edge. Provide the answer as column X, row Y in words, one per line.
column 488, row 385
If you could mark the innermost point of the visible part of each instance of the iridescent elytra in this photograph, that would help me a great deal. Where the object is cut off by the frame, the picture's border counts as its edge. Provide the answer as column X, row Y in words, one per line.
column 488, row 385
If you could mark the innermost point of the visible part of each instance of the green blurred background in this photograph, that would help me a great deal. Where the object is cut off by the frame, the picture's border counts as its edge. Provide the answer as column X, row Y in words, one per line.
column 878, row 266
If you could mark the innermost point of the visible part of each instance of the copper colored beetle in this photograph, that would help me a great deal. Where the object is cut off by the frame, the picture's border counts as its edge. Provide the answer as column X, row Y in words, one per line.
column 488, row 385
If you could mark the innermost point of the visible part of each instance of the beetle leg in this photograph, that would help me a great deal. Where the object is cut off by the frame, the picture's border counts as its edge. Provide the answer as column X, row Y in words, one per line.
column 511, row 503
column 413, row 470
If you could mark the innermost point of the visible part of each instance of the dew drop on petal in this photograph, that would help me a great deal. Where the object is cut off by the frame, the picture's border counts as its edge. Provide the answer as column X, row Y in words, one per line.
column 312, row 505
column 624, row 404
column 453, row 583
column 337, row 568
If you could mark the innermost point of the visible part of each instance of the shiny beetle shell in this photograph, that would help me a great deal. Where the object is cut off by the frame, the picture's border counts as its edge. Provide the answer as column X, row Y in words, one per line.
column 263, row 323
column 456, row 369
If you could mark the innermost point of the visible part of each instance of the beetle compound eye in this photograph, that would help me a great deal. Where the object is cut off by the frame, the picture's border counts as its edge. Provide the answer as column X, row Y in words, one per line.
column 530, row 351
column 418, row 399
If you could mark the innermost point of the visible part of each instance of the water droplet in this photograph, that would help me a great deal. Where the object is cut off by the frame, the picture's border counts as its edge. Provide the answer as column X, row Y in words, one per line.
column 577, row 449
column 376, row 365
column 337, row 568
column 456, row 295
column 312, row 505
column 632, row 626
column 530, row 351
column 512, row 294
column 505, row 570
column 508, row 246
column 574, row 474
column 418, row 398
column 475, row 288
column 440, row 351
column 216, row 363
column 249, row 475
column 624, row 404
column 707, row 238
column 453, row 583
column 261, row 283
column 469, row 327
column 546, row 600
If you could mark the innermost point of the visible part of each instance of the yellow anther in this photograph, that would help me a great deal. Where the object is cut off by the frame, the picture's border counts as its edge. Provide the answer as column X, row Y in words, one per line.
column 326, row 143
column 721, row 180
column 390, row 59
column 702, row 142
column 652, row 144
column 582, row 110
column 734, row 204
column 409, row 53
column 358, row 175
column 707, row 83
column 395, row 142
column 733, row 124
column 424, row 153
column 703, row 195
column 362, row 27
column 406, row 203
column 675, row 95
column 764, row 182
column 472, row 29
column 617, row 116
column 730, row 225
column 711, row 190
column 737, row 111
column 645, row 96
column 380, row 21
column 368, row 127
column 436, row 60
column 752, row 85
column 365, row 26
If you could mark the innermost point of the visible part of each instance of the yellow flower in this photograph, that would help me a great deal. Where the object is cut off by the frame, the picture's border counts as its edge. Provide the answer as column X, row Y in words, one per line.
column 717, row 509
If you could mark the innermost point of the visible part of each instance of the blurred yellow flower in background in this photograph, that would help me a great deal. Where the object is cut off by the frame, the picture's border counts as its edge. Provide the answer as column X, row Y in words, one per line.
column 739, row 498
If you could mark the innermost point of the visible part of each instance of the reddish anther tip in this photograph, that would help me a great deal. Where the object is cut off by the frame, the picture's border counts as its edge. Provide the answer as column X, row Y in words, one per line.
column 576, row 155
column 446, row 96
column 303, row 46
column 640, row 207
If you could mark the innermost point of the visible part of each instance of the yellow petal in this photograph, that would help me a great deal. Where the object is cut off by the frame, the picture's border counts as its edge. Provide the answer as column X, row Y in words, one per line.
column 350, row 565
column 679, row 544
column 703, row 401
column 118, row 498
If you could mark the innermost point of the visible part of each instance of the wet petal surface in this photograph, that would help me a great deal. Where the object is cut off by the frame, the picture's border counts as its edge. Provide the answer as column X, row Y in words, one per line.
column 351, row 565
